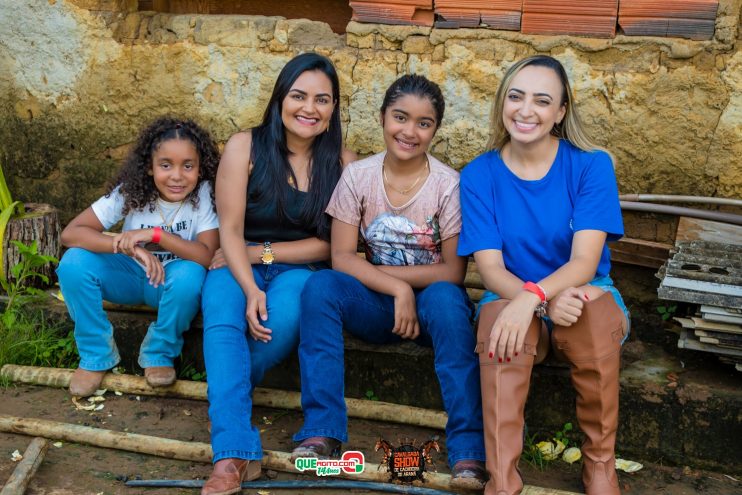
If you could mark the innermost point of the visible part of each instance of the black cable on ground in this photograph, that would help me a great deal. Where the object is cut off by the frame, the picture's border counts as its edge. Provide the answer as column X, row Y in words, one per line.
column 298, row 484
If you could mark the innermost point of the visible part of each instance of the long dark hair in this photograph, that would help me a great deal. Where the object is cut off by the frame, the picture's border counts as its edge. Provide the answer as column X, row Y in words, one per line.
column 135, row 179
column 270, row 154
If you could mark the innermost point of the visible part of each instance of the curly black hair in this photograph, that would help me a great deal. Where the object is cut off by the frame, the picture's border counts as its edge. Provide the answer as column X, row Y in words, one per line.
column 138, row 185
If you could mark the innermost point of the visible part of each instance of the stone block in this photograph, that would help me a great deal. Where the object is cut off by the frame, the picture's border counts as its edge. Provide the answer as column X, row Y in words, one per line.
column 417, row 44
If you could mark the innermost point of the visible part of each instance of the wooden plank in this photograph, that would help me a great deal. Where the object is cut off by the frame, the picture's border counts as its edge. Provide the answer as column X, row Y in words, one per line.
column 24, row 471
column 703, row 324
column 688, row 341
column 639, row 252
column 691, row 229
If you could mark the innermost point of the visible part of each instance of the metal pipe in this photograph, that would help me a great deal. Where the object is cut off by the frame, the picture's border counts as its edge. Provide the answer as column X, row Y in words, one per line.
column 675, row 198
column 718, row 216
column 298, row 485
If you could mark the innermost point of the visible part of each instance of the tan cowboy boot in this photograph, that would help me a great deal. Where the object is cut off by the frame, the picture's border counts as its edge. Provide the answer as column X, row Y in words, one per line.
column 504, row 393
column 228, row 475
column 592, row 347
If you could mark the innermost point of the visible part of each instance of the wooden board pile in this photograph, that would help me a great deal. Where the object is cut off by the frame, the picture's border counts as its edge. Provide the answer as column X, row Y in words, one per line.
column 570, row 17
column 493, row 14
column 694, row 19
column 706, row 270
column 410, row 12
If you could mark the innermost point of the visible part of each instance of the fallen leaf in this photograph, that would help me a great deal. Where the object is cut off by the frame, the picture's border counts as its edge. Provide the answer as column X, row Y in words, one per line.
column 264, row 492
column 267, row 421
column 548, row 450
column 99, row 407
column 628, row 466
column 96, row 398
column 117, row 392
column 82, row 407
column 16, row 456
column 187, row 412
column 58, row 444
column 559, row 447
column 571, row 455
column 100, row 391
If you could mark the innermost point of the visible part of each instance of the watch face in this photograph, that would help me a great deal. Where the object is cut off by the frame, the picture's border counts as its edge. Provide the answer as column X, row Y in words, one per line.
column 267, row 258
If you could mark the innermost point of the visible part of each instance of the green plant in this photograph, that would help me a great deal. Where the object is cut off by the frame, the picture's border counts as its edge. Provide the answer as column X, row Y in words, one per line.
column 370, row 395
column 8, row 209
column 27, row 268
column 27, row 336
column 667, row 312
column 562, row 435
column 540, row 453
column 189, row 372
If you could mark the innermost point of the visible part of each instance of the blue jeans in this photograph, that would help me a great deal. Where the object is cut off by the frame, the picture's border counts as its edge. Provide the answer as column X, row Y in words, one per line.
column 333, row 300
column 87, row 278
column 605, row 283
column 235, row 362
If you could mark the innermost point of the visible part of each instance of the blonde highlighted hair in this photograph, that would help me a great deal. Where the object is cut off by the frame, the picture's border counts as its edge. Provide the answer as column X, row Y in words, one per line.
column 570, row 128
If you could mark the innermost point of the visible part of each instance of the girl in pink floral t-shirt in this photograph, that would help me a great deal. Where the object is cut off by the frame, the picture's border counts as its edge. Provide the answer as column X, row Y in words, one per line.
column 404, row 204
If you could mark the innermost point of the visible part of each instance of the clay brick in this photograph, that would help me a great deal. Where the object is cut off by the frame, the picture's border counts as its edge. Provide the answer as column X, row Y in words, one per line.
column 694, row 19
column 414, row 12
column 573, row 17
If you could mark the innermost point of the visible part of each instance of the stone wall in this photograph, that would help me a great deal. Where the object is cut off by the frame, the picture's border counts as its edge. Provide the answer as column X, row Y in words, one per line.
column 78, row 78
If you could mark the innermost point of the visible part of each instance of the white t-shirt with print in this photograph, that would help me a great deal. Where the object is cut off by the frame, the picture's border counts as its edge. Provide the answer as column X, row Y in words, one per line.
column 186, row 221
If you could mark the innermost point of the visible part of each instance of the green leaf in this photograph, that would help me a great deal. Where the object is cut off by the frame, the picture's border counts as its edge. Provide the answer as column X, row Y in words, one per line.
column 661, row 309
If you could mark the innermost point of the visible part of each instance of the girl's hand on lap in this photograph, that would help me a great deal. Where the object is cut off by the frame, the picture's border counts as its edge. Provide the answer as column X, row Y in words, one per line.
column 566, row 307
column 405, row 314
column 125, row 242
column 218, row 260
column 256, row 314
column 510, row 328
column 152, row 266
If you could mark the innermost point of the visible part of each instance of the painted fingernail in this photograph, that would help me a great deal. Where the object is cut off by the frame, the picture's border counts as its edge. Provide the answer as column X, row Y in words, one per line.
column 516, row 353
column 586, row 298
column 508, row 360
column 491, row 355
column 499, row 360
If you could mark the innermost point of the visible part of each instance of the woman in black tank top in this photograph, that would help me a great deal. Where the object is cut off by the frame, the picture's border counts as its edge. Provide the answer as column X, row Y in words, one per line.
column 272, row 187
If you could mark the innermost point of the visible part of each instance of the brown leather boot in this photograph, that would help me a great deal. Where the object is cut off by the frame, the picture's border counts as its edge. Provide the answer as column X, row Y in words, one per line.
column 504, row 393
column 592, row 347
column 228, row 475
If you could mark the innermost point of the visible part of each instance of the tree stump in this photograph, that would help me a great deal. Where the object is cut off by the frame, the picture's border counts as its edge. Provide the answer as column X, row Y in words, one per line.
column 40, row 223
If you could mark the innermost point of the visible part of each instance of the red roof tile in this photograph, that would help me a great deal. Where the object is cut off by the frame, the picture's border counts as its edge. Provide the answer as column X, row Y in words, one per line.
column 494, row 14
column 416, row 12
column 574, row 17
column 692, row 19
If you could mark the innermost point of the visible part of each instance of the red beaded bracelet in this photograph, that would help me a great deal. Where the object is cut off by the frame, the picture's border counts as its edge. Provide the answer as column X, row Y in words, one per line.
column 156, row 235
column 535, row 289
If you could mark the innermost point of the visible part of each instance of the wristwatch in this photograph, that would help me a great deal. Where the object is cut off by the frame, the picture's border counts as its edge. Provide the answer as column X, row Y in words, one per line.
column 267, row 256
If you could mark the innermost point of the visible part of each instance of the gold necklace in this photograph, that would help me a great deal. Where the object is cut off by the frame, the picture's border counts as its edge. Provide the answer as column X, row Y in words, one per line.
column 404, row 192
column 165, row 223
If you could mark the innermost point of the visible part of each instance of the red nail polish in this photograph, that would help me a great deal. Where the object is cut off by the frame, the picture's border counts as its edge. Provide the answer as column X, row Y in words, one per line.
column 491, row 355
column 586, row 298
column 499, row 360
column 516, row 353
column 508, row 360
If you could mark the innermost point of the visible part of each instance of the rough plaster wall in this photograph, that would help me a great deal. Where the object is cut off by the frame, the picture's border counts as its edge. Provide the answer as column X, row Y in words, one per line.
column 79, row 77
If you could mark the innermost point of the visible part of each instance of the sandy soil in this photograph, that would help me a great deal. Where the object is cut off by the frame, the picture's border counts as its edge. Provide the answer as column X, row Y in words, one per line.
column 82, row 470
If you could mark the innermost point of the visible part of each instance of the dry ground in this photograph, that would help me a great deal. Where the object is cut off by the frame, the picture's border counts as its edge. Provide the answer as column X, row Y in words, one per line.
column 81, row 470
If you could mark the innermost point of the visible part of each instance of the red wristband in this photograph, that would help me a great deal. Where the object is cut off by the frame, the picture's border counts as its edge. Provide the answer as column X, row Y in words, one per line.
column 535, row 289
column 156, row 234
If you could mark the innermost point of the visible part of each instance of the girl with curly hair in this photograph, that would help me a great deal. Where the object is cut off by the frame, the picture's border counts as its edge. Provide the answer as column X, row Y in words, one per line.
column 170, row 233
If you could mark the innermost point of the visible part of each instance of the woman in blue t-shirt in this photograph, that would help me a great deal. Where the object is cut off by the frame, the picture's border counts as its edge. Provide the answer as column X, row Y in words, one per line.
column 538, row 209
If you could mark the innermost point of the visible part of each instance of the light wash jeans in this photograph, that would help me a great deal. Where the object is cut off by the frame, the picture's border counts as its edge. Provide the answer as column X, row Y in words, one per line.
column 87, row 278
column 605, row 283
column 235, row 362
column 333, row 300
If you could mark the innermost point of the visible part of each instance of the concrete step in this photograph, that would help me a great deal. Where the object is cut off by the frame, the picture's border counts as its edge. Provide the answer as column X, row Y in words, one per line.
column 694, row 417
